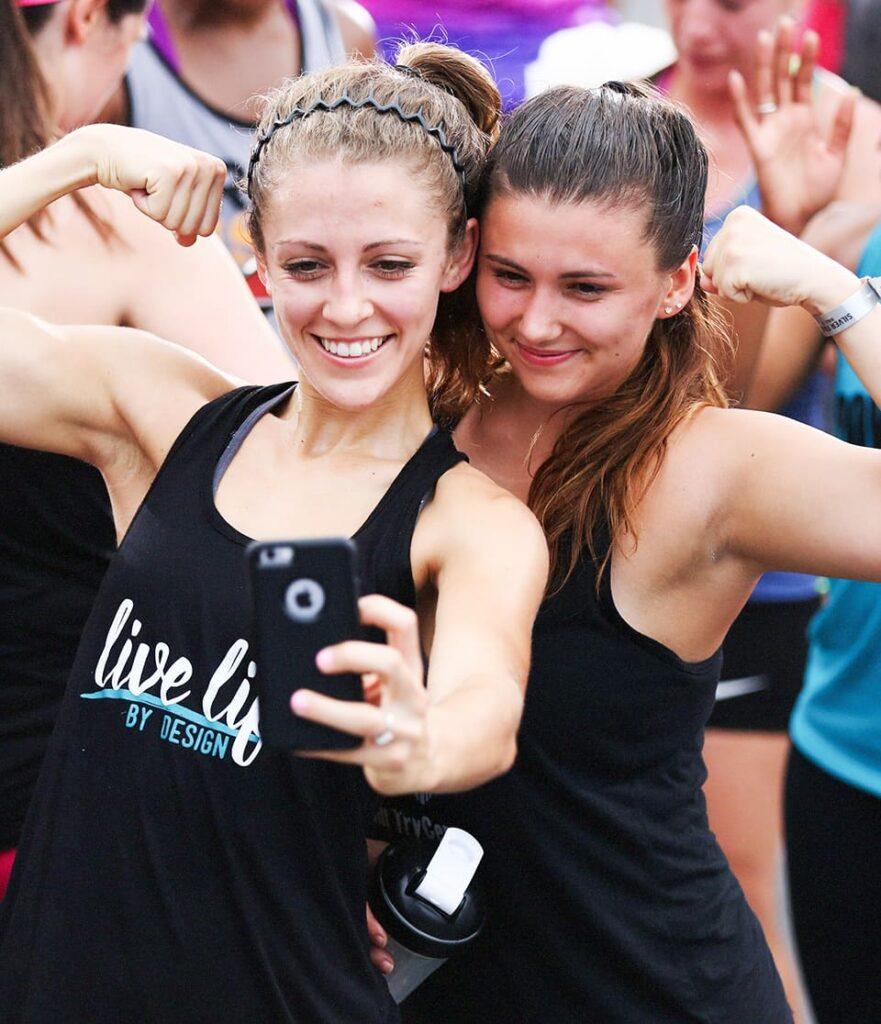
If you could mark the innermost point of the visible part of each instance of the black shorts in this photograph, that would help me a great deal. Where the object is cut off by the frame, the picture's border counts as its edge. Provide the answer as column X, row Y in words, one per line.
column 763, row 667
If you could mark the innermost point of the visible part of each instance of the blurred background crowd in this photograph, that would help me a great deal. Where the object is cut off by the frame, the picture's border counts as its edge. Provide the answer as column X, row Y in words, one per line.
column 798, row 664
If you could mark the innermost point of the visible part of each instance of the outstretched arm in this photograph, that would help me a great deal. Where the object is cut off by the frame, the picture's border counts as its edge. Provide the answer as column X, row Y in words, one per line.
column 490, row 571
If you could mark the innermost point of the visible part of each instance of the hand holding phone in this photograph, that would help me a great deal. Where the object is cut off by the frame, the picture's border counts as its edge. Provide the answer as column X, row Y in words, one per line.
column 325, row 691
column 305, row 596
column 397, row 752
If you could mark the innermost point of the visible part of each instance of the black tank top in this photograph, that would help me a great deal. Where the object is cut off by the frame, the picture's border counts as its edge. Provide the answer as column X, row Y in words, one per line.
column 56, row 540
column 610, row 901
column 170, row 869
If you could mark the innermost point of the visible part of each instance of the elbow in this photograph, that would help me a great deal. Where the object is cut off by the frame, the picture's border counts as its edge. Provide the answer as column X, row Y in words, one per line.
column 507, row 745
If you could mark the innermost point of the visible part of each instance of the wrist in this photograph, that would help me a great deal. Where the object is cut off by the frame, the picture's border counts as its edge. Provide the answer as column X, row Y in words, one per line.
column 833, row 290
column 75, row 159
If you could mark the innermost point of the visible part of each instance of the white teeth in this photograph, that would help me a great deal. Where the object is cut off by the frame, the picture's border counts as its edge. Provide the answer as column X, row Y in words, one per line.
column 351, row 349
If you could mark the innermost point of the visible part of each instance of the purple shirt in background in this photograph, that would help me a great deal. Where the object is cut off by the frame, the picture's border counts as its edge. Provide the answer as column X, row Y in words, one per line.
column 505, row 33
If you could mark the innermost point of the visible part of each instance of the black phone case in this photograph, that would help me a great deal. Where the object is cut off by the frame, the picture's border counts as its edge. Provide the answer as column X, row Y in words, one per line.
column 305, row 597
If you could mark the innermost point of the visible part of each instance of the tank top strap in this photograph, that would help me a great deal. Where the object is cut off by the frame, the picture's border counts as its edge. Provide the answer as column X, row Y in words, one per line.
column 385, row 538
column 188, row 468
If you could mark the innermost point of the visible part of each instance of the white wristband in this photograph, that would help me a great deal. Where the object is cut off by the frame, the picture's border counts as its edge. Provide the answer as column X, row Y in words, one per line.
column 853, row 309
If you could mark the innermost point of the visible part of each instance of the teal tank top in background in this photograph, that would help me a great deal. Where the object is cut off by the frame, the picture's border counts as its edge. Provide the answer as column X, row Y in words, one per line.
column 837, row 720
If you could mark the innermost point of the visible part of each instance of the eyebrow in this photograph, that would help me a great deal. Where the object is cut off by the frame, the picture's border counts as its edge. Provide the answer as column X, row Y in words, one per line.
column 569, row 275
column 317, row 247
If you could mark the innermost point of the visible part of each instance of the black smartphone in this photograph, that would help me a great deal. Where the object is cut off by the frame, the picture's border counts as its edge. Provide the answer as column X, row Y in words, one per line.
column 304, row 597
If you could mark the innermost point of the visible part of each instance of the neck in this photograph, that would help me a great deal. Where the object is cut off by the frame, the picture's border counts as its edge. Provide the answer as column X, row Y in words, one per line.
column 532, row 426
column 213, row 15
column 391, row 428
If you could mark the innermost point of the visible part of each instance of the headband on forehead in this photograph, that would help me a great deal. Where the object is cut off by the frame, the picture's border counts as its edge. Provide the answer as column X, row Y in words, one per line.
column 436, row 131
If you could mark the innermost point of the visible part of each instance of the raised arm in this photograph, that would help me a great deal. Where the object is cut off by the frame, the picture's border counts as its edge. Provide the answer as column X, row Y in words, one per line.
column 179, row 187
column 88, row 392
column 799, row 499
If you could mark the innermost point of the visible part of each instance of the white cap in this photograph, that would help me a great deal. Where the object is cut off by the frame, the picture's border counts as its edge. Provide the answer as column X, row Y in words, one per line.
column 450, row 870
column 589, row 55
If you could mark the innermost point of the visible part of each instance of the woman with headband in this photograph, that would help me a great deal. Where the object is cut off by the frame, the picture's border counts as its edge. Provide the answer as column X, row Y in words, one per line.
column 608, row 897
column 88, row 258
column 230, row 884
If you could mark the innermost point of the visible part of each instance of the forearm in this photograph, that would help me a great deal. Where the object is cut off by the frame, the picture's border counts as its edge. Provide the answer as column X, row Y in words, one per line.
column 472, row 734
column 32, row 184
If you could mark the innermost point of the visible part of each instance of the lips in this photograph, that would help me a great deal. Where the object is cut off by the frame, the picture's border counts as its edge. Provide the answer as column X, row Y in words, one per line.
column 543, row 357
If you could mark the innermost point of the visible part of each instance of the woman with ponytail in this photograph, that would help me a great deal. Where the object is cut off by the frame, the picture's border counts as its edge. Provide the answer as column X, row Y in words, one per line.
column 609, row 899
column 171, row 867
column 87, row 258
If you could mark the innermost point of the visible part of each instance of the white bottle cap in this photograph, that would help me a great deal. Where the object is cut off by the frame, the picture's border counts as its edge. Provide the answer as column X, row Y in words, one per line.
column 450, row 870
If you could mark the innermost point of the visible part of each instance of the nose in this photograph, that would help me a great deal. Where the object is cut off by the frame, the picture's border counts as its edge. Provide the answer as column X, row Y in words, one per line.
column 347, row 304
column 694, row 24
column 538, row 321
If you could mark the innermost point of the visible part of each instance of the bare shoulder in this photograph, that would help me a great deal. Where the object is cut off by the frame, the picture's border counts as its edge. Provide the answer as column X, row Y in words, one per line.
column 356, row 26
column 479, row 515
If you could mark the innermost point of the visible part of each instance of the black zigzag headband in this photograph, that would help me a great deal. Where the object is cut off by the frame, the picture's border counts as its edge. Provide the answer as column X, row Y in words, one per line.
column 436, row 130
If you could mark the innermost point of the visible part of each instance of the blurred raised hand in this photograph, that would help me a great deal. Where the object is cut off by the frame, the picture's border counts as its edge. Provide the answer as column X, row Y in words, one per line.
column 799, row 165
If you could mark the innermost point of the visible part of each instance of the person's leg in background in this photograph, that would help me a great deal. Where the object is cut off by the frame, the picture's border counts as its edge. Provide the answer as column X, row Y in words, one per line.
column 833, row 852
column 746, row 750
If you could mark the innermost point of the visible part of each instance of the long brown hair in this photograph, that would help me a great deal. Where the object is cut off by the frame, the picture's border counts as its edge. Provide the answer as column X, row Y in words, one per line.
column 620, row 145
column 451, row 92
column 27, row 120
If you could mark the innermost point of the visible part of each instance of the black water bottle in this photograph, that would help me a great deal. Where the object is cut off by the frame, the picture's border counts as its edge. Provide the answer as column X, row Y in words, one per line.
column 426, row 897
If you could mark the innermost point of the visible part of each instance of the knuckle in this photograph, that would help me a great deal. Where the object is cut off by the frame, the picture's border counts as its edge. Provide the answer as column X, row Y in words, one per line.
column 397, row 759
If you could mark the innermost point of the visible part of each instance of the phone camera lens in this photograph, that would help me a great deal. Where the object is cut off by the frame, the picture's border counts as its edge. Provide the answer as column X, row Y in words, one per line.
column 304, row 600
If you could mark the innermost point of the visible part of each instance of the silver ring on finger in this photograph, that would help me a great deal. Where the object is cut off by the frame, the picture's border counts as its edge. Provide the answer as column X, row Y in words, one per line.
column 388, row 733
column 766, row 108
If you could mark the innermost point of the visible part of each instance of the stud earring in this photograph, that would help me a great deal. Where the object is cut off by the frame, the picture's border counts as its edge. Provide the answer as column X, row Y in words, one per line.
column 668, row 310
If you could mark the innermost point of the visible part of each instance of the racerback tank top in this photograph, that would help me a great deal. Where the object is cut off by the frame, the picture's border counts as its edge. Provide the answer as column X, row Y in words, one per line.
column 171, row 869
column 609, row 900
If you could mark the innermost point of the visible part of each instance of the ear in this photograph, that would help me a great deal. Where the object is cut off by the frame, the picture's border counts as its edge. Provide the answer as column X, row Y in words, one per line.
column 83, row 17
column 681, row 287
column 462, row 260
column 262, row 272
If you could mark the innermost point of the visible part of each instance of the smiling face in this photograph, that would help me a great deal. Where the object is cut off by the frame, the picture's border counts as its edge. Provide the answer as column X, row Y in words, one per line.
column 355, row 257
column 714, row 37
column 569, row 293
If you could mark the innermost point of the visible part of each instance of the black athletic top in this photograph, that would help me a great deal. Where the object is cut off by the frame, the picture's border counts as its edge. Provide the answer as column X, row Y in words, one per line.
column 170, row 870
column 56, row 539
column 609, row 899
